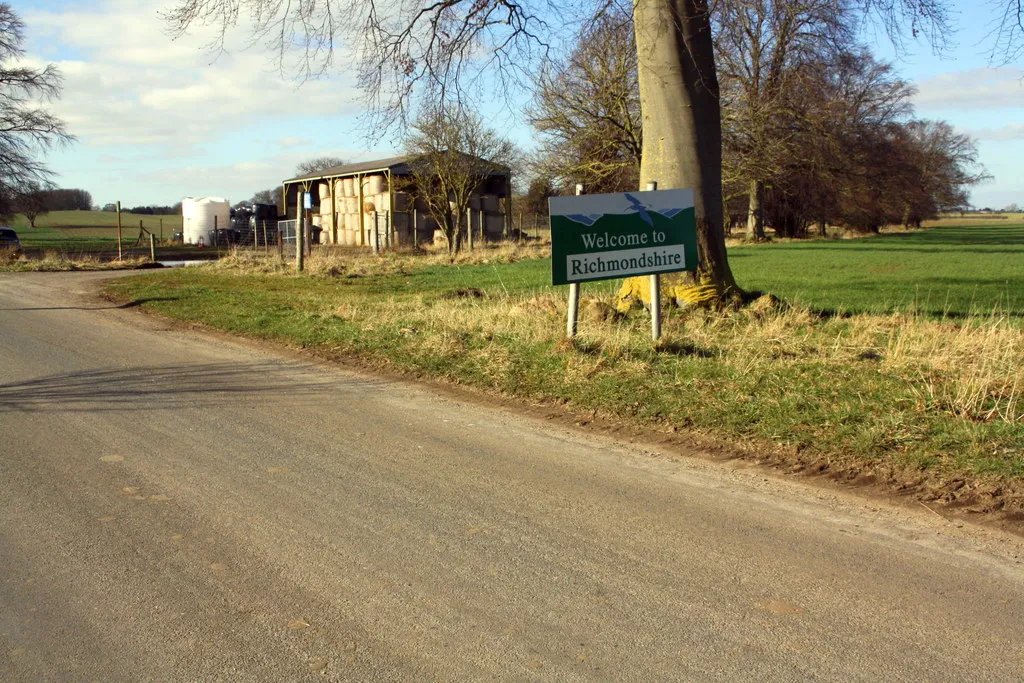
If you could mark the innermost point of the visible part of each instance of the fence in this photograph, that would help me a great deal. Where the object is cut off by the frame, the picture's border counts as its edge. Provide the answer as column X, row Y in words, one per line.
column 287, row 231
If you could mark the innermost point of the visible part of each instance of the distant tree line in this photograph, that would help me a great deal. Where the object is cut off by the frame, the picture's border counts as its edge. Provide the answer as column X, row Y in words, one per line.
column 66, row 200
column 33, row 202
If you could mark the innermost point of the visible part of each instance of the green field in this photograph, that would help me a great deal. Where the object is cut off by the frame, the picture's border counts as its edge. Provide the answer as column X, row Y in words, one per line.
column 949, row 270
column 86, row 231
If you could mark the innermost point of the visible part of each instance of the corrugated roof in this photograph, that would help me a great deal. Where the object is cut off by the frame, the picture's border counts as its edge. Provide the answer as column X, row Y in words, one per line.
column 348, row 169
column 364, row 167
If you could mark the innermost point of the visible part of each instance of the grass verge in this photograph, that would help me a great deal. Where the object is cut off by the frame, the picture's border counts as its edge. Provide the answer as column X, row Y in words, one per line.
column 16, row 262
column 874, row 394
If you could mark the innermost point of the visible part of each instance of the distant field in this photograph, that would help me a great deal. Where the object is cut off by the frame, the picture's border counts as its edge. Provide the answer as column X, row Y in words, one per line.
column 972, row 219
column 948, row 270
column 88, row 230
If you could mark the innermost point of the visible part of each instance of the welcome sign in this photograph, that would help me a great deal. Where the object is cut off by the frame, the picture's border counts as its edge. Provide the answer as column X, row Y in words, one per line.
column 605, row 236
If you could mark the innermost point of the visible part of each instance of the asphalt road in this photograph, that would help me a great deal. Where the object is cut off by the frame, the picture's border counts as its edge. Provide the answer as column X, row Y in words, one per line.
column 178, row 507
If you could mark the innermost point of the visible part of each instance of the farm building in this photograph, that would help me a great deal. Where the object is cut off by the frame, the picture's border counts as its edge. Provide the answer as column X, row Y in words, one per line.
column 350, row 201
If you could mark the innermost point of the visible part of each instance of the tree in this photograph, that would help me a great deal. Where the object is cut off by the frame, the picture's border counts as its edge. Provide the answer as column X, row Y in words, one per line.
column 68, row 200
column 272, row 196
column 840, row 107
column 317, row 165
column 442, row 49
column 535, row 202
column 764, row 48
column 31, row 201
column 586, row 109
column 453, row 156
column 27, row 130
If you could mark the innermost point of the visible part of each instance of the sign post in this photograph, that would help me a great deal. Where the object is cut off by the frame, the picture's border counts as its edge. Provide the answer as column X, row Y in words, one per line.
column 655, row 291
column 574, row 295
column 607, row 236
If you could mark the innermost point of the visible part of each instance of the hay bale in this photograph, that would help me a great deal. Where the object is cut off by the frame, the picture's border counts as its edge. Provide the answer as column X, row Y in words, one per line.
column 369, row 207
column 348, row 187
column 374, row 184
column 325, row 191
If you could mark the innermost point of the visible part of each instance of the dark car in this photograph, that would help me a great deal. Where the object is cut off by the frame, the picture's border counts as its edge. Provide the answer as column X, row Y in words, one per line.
column 9, row 239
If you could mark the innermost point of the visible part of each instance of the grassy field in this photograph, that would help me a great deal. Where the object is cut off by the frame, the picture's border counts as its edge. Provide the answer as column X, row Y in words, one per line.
column 944, row 271
column 890, row 388
column 87, row 231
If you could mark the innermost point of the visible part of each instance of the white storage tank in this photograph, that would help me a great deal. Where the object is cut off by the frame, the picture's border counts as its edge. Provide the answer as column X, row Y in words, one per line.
column 201, row 215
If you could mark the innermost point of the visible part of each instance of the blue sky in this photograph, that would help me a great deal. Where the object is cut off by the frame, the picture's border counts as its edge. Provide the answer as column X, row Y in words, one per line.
column 158, row 119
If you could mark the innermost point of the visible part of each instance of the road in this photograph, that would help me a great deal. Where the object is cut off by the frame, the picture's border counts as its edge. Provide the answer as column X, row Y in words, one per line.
column 180, row 507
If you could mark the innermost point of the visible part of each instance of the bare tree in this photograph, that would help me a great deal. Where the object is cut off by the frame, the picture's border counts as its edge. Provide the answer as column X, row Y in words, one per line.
column 318, row 164
column 1007, row 31
column 31, row 201
column 764, row 47
column 453, row 156
column 586, row 109
column 27, row 130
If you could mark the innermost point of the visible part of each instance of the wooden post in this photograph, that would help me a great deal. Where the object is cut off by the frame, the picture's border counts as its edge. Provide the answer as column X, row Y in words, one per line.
column 362, row 214
column 152, row 247
column 415, row 228
column 655, row 291
column 333, row 184
column 469, row 226
column 574, row 296
column 300, row 254
column 161, row 229
column 119, row 254
column 375, row 237
column 216, row 232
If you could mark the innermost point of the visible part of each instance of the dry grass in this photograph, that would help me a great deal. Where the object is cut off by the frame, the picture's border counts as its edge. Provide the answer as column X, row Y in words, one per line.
column 358, row 262
column 53, row 261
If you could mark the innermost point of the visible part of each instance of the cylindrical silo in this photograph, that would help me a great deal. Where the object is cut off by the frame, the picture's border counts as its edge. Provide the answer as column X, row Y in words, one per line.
column 201, row 216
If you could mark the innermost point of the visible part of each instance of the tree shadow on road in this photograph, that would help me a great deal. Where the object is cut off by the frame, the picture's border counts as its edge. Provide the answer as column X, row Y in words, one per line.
column 129, row 304
column 278, row 386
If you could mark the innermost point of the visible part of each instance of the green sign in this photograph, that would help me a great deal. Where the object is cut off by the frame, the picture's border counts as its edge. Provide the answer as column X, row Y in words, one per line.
column 605, row 236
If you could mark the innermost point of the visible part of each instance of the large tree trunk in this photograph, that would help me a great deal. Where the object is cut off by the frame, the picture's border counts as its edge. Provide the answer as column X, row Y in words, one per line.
column 682, row 144
column 755, row 211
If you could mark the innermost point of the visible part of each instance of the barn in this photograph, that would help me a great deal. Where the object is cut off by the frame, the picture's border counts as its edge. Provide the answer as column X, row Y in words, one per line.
column 353, row 201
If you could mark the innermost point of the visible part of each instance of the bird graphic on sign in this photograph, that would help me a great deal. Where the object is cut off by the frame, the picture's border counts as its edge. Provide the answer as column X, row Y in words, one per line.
column 640, row 208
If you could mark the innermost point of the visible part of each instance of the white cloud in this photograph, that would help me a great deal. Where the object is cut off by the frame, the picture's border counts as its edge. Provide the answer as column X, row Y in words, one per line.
column 1011, row 131
column 1001, row 87
column 131, row 84
column 291, row 141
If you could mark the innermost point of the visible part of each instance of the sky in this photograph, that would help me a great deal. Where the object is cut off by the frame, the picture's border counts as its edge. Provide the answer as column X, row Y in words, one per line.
column 158, row 119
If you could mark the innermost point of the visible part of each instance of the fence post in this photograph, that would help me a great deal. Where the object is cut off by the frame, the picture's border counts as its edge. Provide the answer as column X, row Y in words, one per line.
column 119, row 255
column 376, row 235
column 152, row 247
column 300, row 254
